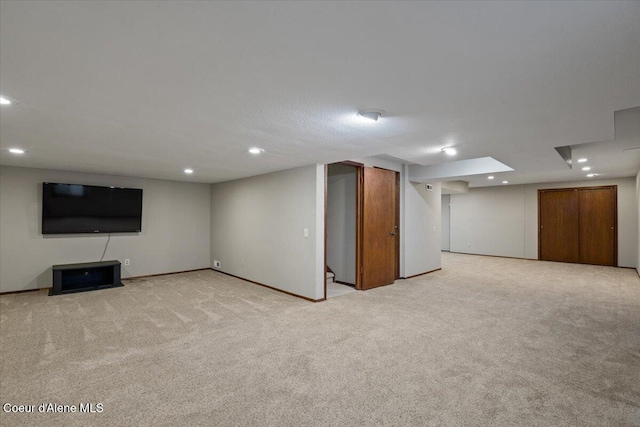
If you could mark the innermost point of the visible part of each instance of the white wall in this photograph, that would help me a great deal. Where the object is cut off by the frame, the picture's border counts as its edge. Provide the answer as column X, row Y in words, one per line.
column 504, row 220
column 446, row 226
column 257, row 228
column 341, row 222
column 175, row 229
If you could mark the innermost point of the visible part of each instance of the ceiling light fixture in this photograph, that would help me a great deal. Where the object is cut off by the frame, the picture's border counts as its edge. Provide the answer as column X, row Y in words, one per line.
column 586, row 168
column 505, row 182
column 582, row 160
column 371, row 114
column 256, row 150
column 591, row 175
column 5, row 101
column 450, row 151
column 188, row 171
column 490, row 177
column 16, row 150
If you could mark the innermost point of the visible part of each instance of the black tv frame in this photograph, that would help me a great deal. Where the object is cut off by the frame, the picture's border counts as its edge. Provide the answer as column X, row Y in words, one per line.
column 87, row 231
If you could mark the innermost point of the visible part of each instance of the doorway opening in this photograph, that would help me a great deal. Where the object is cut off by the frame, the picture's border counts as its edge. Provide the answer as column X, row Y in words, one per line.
column 342, row 228
column 362, row 246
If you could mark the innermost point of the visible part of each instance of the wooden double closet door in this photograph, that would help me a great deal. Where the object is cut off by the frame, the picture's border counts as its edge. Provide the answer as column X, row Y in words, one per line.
column 578, row 225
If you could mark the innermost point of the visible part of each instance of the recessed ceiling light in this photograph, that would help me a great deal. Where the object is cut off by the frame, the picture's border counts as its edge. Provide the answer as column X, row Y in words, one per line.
column 450, row 151
column 5, row 101
column 505, row 182
column 490, row 177
column 256, row 150
column 188, row 171
column 586, row 168
column 582, row 160
column 591, row 175
column 16, row 150
column 371, row 114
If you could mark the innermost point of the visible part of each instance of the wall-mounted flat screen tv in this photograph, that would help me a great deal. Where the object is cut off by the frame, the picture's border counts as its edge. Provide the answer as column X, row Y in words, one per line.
column 73, row 208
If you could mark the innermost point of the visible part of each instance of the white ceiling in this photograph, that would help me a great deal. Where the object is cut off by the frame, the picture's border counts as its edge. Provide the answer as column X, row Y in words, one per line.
column 149, row 88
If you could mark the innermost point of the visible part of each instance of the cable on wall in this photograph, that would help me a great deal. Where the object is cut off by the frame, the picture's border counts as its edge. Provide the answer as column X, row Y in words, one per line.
column 105, row 247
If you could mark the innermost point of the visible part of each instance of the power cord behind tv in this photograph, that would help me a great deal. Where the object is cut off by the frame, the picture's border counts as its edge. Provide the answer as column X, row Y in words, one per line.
column 105, row 247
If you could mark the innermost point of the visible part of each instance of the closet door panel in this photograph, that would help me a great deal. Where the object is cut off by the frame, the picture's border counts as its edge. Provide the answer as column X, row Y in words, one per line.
column 598, row 226
column 559, row 225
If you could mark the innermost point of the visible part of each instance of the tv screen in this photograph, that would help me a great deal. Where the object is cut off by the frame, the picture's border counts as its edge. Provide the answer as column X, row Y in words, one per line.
column 73, row 208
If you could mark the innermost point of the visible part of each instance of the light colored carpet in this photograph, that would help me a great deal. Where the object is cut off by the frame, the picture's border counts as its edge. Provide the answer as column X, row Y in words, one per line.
column 338, row 289
column 485, row 341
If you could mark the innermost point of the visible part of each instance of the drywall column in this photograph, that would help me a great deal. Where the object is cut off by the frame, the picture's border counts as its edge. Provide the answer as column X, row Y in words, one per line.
column 446, row 224
column 423, row 238
column 319, row 232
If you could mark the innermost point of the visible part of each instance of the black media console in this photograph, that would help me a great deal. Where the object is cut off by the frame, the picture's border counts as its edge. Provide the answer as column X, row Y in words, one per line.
column 88, row 276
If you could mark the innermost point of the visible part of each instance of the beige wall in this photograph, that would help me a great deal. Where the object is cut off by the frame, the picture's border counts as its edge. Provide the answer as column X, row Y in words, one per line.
column 257, row 229
column 175, row 229
column 504, row 220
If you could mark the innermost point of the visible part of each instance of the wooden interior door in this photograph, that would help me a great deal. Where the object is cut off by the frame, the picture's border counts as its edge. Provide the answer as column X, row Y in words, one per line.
column 559, row 229
column 379, row 232
column 598, row 225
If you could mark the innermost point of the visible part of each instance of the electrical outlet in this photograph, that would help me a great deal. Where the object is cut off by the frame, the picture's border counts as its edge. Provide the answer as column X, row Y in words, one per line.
column 469, row 244
column 242, row 262
column 216, row 264
column 434, row 228
column 127, row 261
column 305, row 233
